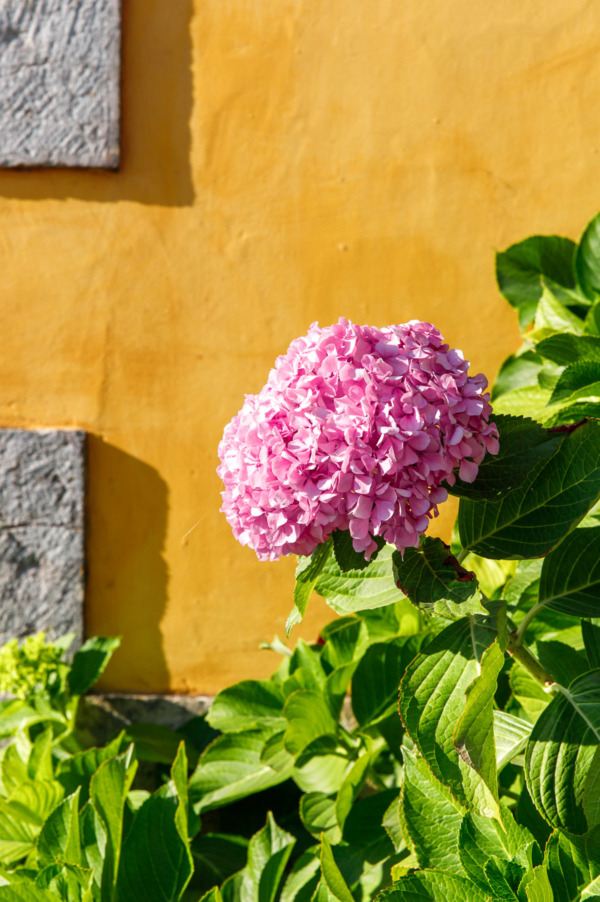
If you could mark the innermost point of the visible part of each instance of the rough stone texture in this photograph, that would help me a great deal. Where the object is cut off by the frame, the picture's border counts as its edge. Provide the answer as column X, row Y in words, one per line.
column 42, row 496
column 103, row 716
column 59, row 82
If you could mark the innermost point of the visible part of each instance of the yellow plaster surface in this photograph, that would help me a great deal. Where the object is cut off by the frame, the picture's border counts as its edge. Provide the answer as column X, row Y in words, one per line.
column 284, row 161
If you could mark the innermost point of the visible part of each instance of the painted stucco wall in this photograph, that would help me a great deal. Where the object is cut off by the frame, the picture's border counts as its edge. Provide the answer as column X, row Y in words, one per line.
column 283, row 161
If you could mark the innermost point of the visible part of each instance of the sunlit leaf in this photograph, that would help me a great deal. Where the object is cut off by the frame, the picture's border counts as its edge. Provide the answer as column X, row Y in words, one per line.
column 531, row 520
column 434, row 580
column 563, row 760
column 570, row 578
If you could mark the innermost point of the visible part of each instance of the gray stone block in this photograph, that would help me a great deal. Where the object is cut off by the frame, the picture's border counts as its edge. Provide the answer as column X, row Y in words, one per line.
column 60, row 82
column 42, row 507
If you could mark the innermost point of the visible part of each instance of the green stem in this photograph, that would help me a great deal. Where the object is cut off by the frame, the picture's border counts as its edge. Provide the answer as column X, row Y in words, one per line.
column 517, row 650
column 461, row 555
column 527, row 620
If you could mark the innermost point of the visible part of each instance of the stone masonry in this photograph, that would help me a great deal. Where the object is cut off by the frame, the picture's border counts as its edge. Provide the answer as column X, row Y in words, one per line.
column 60, row 82
column 42, row 500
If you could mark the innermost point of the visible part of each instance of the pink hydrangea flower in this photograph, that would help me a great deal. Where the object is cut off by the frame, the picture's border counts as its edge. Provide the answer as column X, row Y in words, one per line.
column 357, row 428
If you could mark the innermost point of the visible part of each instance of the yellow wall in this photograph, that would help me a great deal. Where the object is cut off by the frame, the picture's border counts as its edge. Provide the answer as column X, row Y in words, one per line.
column 284, row 161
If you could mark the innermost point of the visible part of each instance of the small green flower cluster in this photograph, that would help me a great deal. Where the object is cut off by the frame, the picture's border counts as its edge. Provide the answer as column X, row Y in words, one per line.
column 29, row 668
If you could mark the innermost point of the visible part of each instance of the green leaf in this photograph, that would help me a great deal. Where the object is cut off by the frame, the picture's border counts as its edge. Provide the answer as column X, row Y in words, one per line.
column 232, row 888
column 305, row 669
column 520, row 268
column 26, row 893
column 592, row 891
column 577, row 381
column 562, row 760
column 523, row 444
column 552, row 314
column 433, row 579
column 22, row 816
column 16, row 716
column 587, row 260
column 89, row 663
column 432, row 699
column 562, row 661
column 353, row 783
column 510, row 736
column 309, row 718
column 268, row 854
column 248, row 705
column 503, row 878
column 393, row 825
column 331, row 874
column 216, row 856
column 33, row 800
column 474, row 732
column 275, row 754
column 153, row 742
column 392, row 621
column 565, row 348
column 367, row 839
column 347, row 558
column 307, row 574
column 573, row 864
column 346, row 639
column 531, row 520
column 572, row 411
column 433, row 886
column 570, row 578
column 431, row 816
column 303, row 878
column 231, row 768
column 156, row 863
column 345, row 642
column 213, row 895
column 569, row 297
column 59, row 839
column 108, row 792
column 591, row 638
column 377, row 678
column 40, row 765
column 526, row 401
column 530, row 695
column 93, row 844
column 317, row 813
column 322, row 766
column 592, row 320
column 358, row 590
column 539, row 889
column 76, row 771
column 179, row 779
column 68, row 881
column 523, row 587
column 517, row 371
column 482, row 839
column 492, row 576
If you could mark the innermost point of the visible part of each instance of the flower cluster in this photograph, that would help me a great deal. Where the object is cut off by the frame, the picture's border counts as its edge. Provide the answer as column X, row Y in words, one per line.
column 357, row 428
column 31, row 667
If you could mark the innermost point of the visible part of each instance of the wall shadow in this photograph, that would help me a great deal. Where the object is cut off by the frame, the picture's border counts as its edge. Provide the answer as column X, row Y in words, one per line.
column 127, row 577
column 156, row 107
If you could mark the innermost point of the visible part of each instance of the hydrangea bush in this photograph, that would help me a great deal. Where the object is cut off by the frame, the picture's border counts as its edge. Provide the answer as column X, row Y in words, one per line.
column 440, row 740
column 484, row 785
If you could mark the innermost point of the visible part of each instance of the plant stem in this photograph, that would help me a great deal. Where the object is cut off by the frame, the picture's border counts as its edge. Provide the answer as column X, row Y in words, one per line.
column 517, row 650
column 527, row 620
column 461, row 555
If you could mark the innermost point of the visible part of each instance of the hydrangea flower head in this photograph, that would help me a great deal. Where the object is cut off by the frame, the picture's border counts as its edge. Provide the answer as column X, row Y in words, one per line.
column 357, row 428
